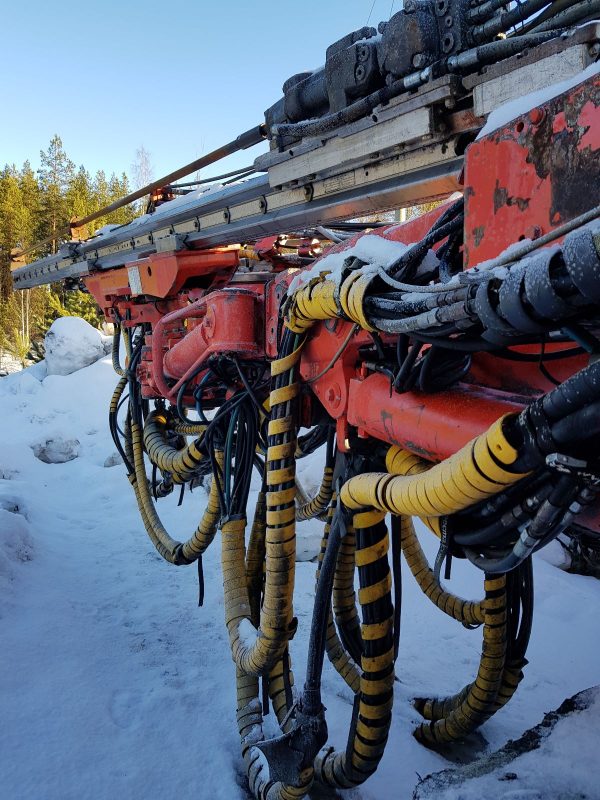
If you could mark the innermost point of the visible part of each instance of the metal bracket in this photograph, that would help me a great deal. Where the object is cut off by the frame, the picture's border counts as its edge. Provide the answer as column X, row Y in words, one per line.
column 288, row 755
column 567, row 465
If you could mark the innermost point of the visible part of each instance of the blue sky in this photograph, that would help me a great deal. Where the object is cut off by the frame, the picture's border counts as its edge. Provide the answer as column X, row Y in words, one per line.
column 176, row 76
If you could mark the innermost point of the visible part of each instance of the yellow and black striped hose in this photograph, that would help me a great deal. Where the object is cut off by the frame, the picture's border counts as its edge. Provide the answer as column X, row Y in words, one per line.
column 367, row 739
column 401, row 462
column 258, row 653
column 481, row 469
column 456, row 717
column 181, row 464
column 318, row 505
column 459, row 715
column 170, row 549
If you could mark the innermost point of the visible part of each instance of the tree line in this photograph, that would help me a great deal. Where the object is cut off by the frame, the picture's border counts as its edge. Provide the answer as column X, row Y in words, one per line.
column 38, row 206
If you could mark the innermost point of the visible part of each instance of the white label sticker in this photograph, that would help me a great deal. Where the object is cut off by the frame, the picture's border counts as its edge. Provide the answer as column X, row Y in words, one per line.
column 133, row 275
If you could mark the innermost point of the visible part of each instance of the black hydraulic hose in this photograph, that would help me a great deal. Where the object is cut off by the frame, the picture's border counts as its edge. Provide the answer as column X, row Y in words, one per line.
column 417, row 252
column 357, row 110
column 247, row 387
column 525, row 575
column 396, row 533
column 405, row 369
column 576, row 392
column 506, row 20
column 486, row 10
column 548, row 522
column 214, row 178
column 551, row 12
column 569, row 16
column 496, row 531
column 311, row 698
column 496, row 51
column 450, row 213
column 581, row 425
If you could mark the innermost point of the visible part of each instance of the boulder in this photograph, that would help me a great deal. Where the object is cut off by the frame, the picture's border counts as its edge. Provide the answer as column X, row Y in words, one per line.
column 71, row 344
column 56, row 450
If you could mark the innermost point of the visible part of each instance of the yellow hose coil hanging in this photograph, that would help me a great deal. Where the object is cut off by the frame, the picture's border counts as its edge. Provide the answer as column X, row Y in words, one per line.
column 170, row 549
column 257, row 654
column 318, row 505
column 497, row 680
column 456, row 717
column 479, row 470
column 401, row 462
column 181, row 464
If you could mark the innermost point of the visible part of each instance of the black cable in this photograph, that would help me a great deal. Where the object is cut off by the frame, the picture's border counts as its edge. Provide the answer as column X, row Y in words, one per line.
column 405, row 266
column 396, row 534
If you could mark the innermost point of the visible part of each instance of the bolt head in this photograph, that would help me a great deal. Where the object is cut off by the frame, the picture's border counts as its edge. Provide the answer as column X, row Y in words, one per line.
column 536, row 116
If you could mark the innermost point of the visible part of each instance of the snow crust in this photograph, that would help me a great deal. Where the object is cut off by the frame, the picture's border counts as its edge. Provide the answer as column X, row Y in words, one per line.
column 521, row 105
column 370, row 248
column 71, row 344
column 114, row 684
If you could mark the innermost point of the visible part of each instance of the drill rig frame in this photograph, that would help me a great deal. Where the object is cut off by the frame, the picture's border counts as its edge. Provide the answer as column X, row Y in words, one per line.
column 447, row 365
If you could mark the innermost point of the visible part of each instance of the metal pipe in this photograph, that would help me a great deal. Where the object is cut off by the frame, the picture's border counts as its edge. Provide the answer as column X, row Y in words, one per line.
column 242, row 142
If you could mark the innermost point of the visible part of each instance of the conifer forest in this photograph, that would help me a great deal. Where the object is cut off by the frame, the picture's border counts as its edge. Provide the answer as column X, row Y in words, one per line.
column 37, row 206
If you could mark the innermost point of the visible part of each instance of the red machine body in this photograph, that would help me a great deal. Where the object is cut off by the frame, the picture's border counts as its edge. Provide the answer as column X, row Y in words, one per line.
column 515, row 188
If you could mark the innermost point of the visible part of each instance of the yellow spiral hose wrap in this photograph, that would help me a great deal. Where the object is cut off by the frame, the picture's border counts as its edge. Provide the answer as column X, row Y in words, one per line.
column 181, row 464
column 477, row 471
column 318, row 505
column 257, row 654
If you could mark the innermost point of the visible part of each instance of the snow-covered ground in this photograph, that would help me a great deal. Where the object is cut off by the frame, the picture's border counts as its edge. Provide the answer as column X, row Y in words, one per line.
column 114, row 684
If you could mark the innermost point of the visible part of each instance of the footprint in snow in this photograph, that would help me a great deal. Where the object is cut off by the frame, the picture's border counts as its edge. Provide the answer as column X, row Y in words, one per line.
column 124, row 708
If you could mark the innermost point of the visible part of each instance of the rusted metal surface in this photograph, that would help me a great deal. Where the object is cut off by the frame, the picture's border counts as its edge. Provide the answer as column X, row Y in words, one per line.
column 530, row 176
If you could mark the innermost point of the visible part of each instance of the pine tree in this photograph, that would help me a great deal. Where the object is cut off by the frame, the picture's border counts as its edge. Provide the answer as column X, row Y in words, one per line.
column 101, row 197
column 32, row 199
column 55, row 175
column 14, row 221
column 35, row 207
column 118, row 188
column 80, row 197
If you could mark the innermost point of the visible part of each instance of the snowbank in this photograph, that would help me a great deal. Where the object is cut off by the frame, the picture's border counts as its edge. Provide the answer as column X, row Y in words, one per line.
column 527, row 767
column 111, row 675
column 16, row 546
column 71, row 344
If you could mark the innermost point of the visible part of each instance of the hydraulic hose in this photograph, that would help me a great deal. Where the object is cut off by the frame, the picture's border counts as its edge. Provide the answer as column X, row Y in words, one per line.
column 318, row 505
column 505, row 20
column 508, row 614
column 344, row 596
column 569, row 16
column 368, row 737
column 171, row 550
column 182, row 464
column 336, row 652
column 116, row 342
column 256, row 652
column 455, row 717
column 280, row 679
column 479, row 470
